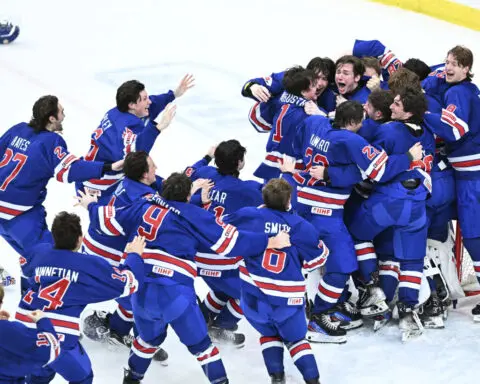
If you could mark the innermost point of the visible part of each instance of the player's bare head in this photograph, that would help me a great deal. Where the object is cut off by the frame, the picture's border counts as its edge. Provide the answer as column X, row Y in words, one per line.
column 67, row 231
column 378, row 105
column 402, row 79
column 2, row 295
column 324, row 69
column 458, row 65
column 300, row 82
column 230, row 157
column 177, row 187
column 372, row 66
column 348, row 72
column 349, row 115
column 419, row 67
column 136, row 165
column 409, row 105
column 276, row 194
column 46, row 112
column 132, row 97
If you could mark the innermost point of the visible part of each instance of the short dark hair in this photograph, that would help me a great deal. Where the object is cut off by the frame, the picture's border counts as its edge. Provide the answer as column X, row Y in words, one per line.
column 403, row 78
column 324, row 65
column 43, row 108
column 381, row 100
column 298, row 79
column 128, row 92
column 372, row 62
column 136, row 165
column 227, row 155
column 415, row 102
column 349, row 112
column 358, row 67
column 276, row 194
column 419, row 67
column 66, row 229
column 464, row 57
column 177, row 187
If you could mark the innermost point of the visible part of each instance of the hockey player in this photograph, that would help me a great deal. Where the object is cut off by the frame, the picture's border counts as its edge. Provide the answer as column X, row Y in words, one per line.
column 228, row 194
column 33, row 153
column 404, row 199
column 8, row 32
column 322, row 203
column 174, row 230
column 65, row 282
column 130, row 127
column 22, row 350
column 266, row 91
column 300, row 87
column 140, row 180
column 273, row 286
column 348, row 76
column 459, row 125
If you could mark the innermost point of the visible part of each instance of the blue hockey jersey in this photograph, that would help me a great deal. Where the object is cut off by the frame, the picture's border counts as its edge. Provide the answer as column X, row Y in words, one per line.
column 29, row 161
column 120, row 133
column 321, row 144
column 65, row 282
column 24, row 350
column 275, row 276
column 174, row 232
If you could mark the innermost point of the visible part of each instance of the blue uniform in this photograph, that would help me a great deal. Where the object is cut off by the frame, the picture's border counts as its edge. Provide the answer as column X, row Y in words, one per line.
column 273, row 286
column 118, row 134
column 64, row 283
column 23, row 350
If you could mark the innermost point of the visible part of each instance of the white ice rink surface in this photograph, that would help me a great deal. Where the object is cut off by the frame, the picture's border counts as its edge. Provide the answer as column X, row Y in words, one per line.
column 82, row 51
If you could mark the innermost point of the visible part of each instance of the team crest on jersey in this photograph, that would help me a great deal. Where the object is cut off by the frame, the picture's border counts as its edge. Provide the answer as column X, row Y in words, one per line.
column 268, row 80
column 451, row 108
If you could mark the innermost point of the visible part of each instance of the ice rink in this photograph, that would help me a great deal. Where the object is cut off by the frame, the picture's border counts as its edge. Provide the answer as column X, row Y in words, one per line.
column 82, row 51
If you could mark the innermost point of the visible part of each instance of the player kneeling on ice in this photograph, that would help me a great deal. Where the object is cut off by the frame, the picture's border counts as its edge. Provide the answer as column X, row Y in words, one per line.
column 273, row 286
column 63, row 283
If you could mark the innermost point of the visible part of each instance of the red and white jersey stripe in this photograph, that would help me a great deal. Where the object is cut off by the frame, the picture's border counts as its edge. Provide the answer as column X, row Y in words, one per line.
column 273, row 158
column 466, row 163
column 61, row 323
column 8, row 210
column 410, row 279
column 210, row 355
column 376, row 169
column 389, row 268
column 143, row 349
column 108, row 224
column 213, row 303
column 300, row 349
column 270, row 342
column 328, row 292
column 318, row 261
column 124, row 314
column 365, row 251
column 63, row 168
column 227, row 240
column 233, row 306
column 216, row 262
column 258, row 122
column 459, row 127
column 317, row 198
column 104, row 183
column 92, row 247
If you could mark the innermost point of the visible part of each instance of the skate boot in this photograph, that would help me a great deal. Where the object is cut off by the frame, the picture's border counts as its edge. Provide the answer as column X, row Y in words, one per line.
column 372, row 301
column 348, row 315
column 431, row 313
column 6, row 278
column 130, row 377
column 410, row 324
column 8, row 32
column 476, row 313
column 161, row 356
column 312, row 381
column 278, row 378
column 226, row 336
column 379, row 321
column 322, row 329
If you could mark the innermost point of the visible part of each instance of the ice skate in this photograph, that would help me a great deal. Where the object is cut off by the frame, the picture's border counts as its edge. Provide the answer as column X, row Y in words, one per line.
column 380, row 321
column 8, row 32
column 348, row 315
column 372, row 301
column 278, row 378
column 476, row 313
column 410, row 324
column 226, row 336
column 322, row 329
column 431, row 313
column 6, row 279
column 129, row 377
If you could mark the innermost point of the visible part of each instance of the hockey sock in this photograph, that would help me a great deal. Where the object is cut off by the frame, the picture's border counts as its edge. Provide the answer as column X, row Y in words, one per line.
column 230, row 315
column 121, row 321
column 367, row 261
column 213, row 304
column 272, row 351
column 473, row 248
column 388, row 275
column 141, row 355
column 330, row 291
column 304, row 359
column 209, row 358
column 410, row 279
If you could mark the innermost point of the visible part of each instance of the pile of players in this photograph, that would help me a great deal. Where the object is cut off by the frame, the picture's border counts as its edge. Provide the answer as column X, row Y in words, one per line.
column 367, row 158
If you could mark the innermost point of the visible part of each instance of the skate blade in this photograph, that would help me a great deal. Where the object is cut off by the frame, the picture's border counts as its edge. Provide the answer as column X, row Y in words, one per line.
column 320, row 338
column 434, row 323
column 408, row 335
column 377, row 310
column 352, row 325
column 379, row 324
column 476, row 318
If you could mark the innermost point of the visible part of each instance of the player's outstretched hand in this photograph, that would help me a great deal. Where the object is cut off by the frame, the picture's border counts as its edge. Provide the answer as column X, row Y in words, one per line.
column 287, row 164
column 260, row 92
column 416, row 152
column 167, row 116
column 118, row 165
column 373, row 83
column 317, row 172
column 281, row 240
column 197, row 185
column 340, row 100
column 36, row 315
column 137, row 245
column 206, row 187
column 311, row 108
column 186, row 83
column 211, row 151
column 85, row 199
column 4, row 315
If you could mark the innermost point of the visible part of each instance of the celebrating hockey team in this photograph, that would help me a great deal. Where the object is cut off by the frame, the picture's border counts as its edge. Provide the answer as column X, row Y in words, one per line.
column 369, row 161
